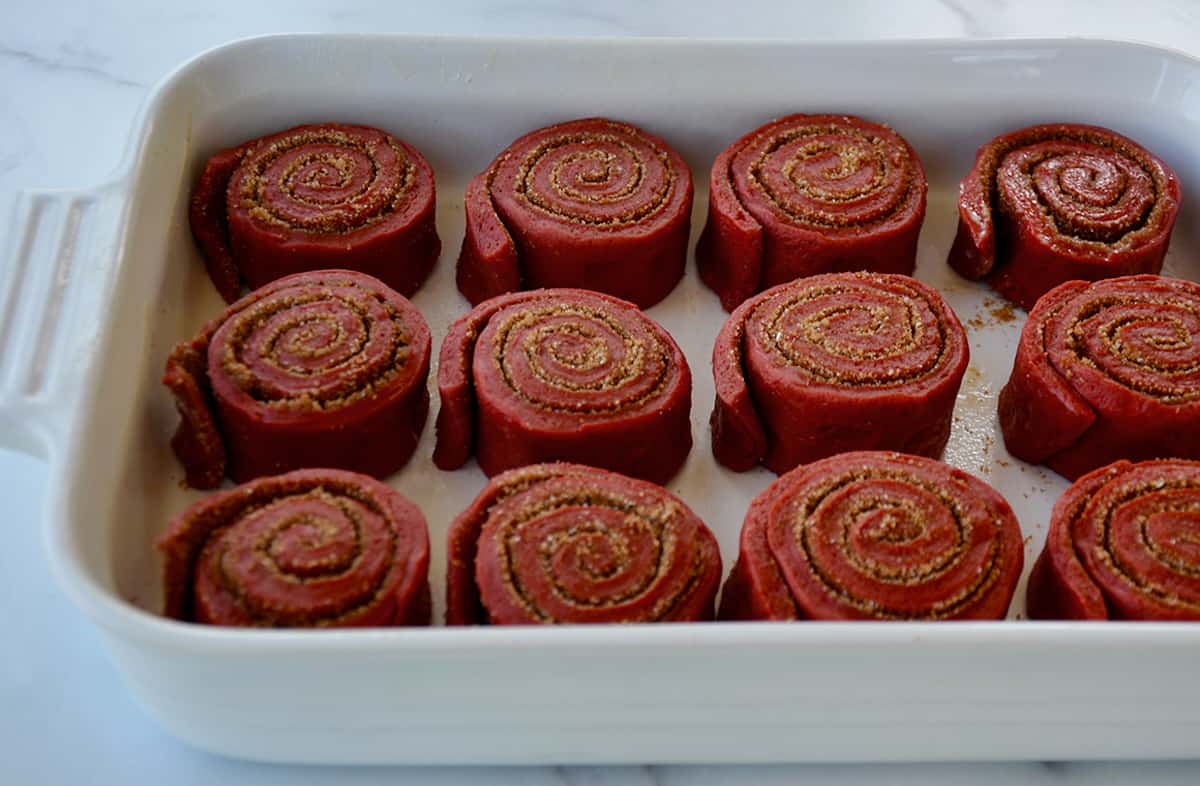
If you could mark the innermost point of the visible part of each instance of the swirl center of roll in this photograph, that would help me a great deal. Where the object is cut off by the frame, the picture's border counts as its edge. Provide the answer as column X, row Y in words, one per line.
column 561, row 348
column 598, row 179
column 325, row 178
column 585, row 551
column 303, row 557
column 1144, row 534
column 890, row 544
column 308, row 339
column 836, row 172
column 313, row 346
column 326, row 181
column 595, row 557
column 595, row 176
column 1090, row 192
column 887, row 521
column 1174, row 535
column 833, row 177
column 888, row 530
column 310, row 542
column 1148, row 344
column 854, row 336
column 567, row 543
column 1160, row 519
column 578, row 359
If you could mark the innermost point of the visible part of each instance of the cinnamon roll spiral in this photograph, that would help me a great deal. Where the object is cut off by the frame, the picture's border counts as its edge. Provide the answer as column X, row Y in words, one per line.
column 1060, row 202
column 1106, row 371
column 838, row 362
column 315, row 197
column 563, row 375
column 1122, row 544
column 593, row 204
column 312, row 548
column 875, row 535
column 809, row 194
column 322, row 369
column 564, row 543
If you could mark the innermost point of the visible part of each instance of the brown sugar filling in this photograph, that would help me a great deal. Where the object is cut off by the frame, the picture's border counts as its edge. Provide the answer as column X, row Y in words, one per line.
column 569, row 204
column 774, row 342
column 1106, row 553
column 357, row 380
column 640, row 354
column 1158, row 381
column 658, row 518
column 1067, row 229
column 266, row 616
column 333, row 219
column 852, row 157
column 988, row 572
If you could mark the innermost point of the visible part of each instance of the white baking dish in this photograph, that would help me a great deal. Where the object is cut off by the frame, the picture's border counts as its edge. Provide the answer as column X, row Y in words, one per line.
column 102, row 282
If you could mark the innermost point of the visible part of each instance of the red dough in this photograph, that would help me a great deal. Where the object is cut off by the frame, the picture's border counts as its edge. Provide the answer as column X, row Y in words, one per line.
column 593, row 204
column 563, row 375
column 322, row 369
column 1123, row 545
column 564, row 543
column 875, row 535
column 313, row 548
column 1106, row 371
column 316, row 197
column 810, row 194
column 1054, row 203
column 827, row 364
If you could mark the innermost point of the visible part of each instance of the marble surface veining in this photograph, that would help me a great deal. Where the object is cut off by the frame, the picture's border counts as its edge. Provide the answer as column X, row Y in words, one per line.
column 72, row 75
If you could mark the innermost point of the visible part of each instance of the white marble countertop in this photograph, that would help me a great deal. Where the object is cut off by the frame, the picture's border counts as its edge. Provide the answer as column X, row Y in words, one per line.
column 72, row 75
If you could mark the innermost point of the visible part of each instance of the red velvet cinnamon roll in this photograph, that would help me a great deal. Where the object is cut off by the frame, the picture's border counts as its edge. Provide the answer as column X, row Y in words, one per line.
column 809, row 194
column 1123, row 545
column 316, row 197
column 593, row 204
column 564, row 543
column 324, row 369
column 1106, row 371
column 875, row 535
column 1060, row 202
column 563, row 375
column 312, row 548
column 838, row 362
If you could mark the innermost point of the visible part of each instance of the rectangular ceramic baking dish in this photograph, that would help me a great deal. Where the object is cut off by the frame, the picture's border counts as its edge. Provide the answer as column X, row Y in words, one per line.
column 101, row 282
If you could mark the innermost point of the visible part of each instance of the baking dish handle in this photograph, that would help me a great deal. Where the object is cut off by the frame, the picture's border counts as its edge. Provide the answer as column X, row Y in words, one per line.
column 58, row 258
